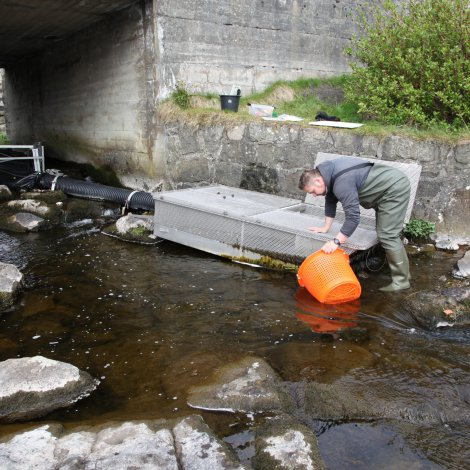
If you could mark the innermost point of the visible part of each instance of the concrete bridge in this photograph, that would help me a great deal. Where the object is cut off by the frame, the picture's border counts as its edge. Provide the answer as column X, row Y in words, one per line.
column 86, row 77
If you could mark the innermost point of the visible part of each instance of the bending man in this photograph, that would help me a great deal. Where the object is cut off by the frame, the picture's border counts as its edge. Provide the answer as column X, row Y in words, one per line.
column 354, row 182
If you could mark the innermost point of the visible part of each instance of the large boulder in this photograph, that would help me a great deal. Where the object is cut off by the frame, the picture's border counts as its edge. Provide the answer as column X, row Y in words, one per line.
column 247, row 386
column 34, row 386
column 10, row 283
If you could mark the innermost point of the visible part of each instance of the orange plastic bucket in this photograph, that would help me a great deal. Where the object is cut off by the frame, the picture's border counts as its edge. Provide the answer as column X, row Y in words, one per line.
column 329, row 277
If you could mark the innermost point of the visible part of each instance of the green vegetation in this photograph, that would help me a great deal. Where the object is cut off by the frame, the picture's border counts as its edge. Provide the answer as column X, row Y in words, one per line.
column 305, row 98
column 181, row 96
column 419, row 230
column 140, row 231
column 413, row 63
column 3, row 139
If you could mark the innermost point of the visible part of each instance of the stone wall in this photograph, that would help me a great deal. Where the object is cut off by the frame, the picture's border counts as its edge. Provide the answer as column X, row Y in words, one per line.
column 270, row 157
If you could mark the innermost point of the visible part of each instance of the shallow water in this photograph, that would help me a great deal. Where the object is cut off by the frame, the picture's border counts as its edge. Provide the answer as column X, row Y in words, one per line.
column 150, row 321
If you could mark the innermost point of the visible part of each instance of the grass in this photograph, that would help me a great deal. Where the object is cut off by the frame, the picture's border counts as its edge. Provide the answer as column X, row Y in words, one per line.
column 305, row 98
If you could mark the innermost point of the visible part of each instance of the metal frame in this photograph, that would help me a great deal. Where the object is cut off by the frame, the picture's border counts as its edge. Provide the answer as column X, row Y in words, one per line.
column 251, row 226
column 37, row 151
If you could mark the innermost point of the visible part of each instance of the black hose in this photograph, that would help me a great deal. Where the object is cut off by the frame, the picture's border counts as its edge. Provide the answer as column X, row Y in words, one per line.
column 137, row 200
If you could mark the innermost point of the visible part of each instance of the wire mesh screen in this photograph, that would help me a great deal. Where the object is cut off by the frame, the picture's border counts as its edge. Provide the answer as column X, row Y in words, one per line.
column 239, row 223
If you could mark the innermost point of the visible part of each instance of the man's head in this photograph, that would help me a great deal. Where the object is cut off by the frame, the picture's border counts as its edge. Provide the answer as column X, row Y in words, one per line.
column 312, row 182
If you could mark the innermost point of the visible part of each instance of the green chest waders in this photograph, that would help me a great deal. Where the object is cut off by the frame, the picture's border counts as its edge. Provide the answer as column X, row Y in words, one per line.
column 387, row 190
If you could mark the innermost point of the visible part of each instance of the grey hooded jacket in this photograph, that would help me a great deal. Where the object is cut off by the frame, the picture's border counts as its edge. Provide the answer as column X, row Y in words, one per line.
column 345, row 190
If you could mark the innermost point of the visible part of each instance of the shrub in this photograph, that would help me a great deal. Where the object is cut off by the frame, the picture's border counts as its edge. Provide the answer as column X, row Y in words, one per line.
column 413, row 62
column 181, row 95
column 419, row 230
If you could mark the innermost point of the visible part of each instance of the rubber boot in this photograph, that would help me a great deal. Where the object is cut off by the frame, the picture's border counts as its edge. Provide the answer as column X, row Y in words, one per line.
column 399, row 269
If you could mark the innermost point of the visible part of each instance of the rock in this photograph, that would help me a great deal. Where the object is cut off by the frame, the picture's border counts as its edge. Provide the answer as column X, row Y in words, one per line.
column 447, row 244
column 31, row 449
column 133, row 228
column 129, row 445
column 35, row 386
column 48, row 197
column 249, row 386
column 149, row 445
column 434, row 309
column 284, row 443
column 352, row 401
column 30, row 205
column 463, row 266
column 10, row 283
column 5, row 193
column 130, row 222
column 198, row 448
column 80, row 209
column 23, row 222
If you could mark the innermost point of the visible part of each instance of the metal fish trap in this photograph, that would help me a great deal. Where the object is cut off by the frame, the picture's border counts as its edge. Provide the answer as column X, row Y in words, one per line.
column 249, row 226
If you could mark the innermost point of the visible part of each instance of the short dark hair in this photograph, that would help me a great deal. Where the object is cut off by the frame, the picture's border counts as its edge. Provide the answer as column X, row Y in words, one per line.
column 307, row 176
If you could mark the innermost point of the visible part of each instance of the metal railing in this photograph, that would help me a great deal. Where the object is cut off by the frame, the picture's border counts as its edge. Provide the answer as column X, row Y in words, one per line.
column 37, row 155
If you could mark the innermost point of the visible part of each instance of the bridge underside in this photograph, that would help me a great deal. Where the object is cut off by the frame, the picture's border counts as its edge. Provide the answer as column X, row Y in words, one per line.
column 30, row 26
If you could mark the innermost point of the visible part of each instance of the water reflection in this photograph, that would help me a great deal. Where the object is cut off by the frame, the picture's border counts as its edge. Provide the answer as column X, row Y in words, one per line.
column 326, row 318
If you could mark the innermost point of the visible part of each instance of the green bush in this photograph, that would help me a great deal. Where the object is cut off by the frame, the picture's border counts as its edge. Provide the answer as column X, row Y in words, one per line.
column 419, row 230
column 181, row 96
column 413, row 62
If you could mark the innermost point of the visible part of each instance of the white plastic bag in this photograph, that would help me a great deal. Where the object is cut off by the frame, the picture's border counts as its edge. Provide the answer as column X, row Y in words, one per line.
column 261, row 110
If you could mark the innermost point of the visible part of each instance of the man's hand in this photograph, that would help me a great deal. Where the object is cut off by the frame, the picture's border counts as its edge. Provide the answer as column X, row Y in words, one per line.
column 329, row 247
column 319, row 229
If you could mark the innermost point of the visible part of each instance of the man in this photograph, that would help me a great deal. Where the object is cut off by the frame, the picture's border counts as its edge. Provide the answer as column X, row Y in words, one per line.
column 354, row 182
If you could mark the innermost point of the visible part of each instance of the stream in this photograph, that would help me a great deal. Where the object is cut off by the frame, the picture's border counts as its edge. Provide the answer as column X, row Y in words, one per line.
column 151, row 321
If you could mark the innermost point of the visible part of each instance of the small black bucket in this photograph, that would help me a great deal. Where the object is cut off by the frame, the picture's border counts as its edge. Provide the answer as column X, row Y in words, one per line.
column 230, row 102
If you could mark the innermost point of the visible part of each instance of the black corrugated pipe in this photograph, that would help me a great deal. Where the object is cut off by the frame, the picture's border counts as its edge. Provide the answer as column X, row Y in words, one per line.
column 137, row 200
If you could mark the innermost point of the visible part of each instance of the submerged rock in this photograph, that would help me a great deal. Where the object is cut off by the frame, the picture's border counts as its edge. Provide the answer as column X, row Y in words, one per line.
column 440, row 308
column 34, row 386
column 284, row 443
column 24, row 222
column 248, row 386
column 10, row 282
column 353, row 401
